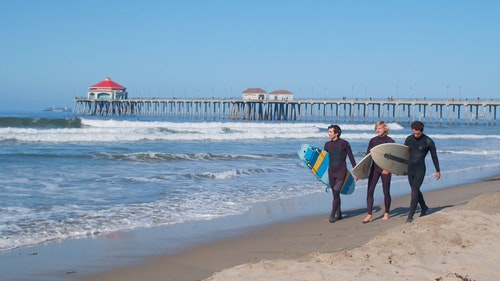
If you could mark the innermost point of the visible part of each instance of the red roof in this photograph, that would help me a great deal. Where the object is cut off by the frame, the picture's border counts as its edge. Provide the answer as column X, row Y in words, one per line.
column 107, row 83
column 281, row 92
column 254, row 91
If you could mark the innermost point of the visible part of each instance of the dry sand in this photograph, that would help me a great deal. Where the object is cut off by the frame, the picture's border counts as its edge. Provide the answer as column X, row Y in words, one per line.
column 458, row 240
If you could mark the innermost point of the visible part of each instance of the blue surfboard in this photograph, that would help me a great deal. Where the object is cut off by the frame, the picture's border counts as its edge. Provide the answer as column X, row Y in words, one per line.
column 317, row 160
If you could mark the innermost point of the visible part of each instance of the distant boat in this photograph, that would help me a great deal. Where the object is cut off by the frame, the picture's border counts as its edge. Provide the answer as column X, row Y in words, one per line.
column 57, row 109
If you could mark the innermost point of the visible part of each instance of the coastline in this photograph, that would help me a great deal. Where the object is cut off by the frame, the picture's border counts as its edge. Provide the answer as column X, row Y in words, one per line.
column 289, row 240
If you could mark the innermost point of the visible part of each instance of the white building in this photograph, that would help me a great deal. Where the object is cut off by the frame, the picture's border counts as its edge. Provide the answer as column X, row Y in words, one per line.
column 280, row 95
column 254, row 94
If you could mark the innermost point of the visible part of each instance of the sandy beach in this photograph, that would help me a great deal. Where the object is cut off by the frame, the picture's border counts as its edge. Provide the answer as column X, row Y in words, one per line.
column 457, row 240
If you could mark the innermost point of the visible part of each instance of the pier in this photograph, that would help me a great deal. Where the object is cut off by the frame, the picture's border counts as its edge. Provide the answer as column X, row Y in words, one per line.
column 454, row 112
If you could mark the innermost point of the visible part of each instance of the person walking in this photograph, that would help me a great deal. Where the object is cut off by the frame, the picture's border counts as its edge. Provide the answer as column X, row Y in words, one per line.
column 419, row 144
column 376, row 172
column 338, row 150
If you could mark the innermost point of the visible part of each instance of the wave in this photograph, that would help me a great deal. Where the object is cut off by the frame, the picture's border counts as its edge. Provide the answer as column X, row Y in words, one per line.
column 101, row 131
column 107, row 131
column 459, row 136
column 224, row 175
column 150, row 157
column 166, row 157
column 144, row 134
column 471, row 152
column 229, row 126
column 445, row 136
column 26, row 122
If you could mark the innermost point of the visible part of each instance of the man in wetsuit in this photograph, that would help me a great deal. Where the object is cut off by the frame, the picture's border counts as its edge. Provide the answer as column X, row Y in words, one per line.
column 419, row 144
column 338, row 150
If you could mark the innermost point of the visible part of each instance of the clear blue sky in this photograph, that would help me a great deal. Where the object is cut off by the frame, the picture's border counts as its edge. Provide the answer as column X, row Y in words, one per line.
column 52, row 51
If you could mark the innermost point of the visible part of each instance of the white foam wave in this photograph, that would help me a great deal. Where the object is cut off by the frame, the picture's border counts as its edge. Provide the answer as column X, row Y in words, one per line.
column 112, row 131
column 471, row 152
column 130, row 131
column 75, row 221
column 183, row 125
column 461, row 136
column 227, row 174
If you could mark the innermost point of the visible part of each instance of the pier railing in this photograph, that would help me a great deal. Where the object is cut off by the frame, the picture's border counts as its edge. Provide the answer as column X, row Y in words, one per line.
column 325, row 110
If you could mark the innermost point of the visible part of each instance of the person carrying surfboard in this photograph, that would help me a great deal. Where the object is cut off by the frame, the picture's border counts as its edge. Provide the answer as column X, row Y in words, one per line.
column 419, row 144
column 338, row 150
column 376, row 172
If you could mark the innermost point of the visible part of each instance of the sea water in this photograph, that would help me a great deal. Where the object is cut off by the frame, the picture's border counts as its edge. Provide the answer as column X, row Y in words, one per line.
column 65, row 178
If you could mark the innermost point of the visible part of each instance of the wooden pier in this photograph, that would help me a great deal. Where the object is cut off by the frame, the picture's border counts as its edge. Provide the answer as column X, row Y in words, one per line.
column 328, row 110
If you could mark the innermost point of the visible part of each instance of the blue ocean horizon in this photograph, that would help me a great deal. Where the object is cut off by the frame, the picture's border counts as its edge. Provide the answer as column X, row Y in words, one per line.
column 75, row 184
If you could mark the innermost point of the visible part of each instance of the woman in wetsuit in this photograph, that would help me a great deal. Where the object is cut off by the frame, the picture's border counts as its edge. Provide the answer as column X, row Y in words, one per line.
column 338, row 150
column 376, row 172
column 419, row 144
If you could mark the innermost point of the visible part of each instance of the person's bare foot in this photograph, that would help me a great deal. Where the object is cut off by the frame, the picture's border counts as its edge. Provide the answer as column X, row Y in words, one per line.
column 367, row 219
column 386, row 216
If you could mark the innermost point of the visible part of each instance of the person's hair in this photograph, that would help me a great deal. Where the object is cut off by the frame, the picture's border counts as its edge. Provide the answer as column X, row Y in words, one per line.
column 382, row 124
column 336, row 129
column 417, row 125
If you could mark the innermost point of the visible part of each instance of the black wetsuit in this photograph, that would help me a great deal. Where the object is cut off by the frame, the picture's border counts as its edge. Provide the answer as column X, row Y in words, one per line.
column 416, row 168
column 339, row 150
column 375, row 174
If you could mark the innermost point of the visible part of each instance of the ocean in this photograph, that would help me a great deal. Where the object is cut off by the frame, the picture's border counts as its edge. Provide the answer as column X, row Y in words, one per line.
column 66, row 180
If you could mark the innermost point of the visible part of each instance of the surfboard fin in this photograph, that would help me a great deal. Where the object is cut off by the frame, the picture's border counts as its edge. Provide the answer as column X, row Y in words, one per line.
column 395, row 158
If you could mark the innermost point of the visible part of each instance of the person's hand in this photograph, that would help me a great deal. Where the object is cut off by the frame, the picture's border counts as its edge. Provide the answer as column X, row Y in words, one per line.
column 438, row 175
column 385, row 172
column 355, row 178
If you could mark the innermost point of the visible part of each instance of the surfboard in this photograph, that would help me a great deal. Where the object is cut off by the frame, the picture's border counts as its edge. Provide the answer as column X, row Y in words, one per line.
column 392, row 157
column 362, row 169
column 317, row 161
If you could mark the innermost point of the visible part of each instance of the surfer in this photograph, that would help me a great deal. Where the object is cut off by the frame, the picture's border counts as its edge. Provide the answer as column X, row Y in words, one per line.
column 376, row 172
column 338, row 149
column 419, row 144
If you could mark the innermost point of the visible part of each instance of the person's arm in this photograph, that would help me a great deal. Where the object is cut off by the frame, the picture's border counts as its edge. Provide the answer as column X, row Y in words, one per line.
column 435, row 160
column 351, row 156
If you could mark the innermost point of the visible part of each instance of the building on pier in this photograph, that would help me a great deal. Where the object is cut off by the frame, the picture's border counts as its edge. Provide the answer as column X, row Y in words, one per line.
column 254, row 94
column 280, row 95
column 107, row 90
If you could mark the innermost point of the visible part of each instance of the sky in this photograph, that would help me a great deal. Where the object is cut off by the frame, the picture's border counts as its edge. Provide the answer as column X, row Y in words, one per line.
column 52, row 50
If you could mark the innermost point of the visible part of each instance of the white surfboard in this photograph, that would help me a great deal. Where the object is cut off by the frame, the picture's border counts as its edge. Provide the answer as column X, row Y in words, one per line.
column 362, row 169
column 392, row 157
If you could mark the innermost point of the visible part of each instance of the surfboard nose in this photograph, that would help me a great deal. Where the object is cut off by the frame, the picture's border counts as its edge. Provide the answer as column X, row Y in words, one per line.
column 303, row 149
